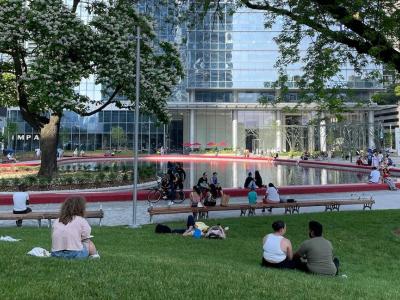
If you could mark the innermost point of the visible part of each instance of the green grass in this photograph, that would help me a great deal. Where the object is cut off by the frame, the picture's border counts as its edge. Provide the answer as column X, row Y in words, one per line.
column 138, row 264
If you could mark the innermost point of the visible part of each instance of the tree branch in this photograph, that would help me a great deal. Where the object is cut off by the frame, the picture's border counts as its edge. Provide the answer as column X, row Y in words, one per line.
column 373, row 43
column 108, row 102
column 35, row 120
column 75, row 6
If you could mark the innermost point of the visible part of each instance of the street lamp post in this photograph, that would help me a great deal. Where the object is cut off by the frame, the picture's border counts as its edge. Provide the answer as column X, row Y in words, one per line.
column 136, row 142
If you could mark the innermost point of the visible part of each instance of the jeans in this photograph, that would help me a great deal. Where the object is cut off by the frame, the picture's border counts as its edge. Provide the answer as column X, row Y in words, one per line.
column 71, row 254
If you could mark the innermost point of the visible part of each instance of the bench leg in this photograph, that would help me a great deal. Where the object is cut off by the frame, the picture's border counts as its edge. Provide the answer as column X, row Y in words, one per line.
column 367, row 206
column 49, row 223
column 100, row 221
column 40, row 222
column 287, row 210
column 328, row 207
column 243, row 211
column 296, row 209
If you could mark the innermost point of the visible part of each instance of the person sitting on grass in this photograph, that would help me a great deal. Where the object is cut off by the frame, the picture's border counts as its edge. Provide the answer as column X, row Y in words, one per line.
column 374, row 176
column 317, row 253
column 21, row 200
column 277, row 250
column 71, row 232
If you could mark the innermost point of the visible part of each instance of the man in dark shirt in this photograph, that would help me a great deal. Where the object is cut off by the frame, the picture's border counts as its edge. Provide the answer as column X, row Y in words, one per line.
column 249, row 182
column 203, row 183
column 180, row 176
column 318, row 253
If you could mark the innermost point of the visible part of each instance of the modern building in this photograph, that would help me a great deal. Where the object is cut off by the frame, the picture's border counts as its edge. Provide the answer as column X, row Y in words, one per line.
column 229, row 65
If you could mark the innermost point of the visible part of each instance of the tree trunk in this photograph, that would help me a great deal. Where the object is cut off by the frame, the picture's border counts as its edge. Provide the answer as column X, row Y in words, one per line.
column 48, row 146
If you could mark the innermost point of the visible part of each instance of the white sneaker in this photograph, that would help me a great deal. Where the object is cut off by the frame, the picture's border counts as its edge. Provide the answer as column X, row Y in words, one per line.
column 94, row 256
column 170, row 203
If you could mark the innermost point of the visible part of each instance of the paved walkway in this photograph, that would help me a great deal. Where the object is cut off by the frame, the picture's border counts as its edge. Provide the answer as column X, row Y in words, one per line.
column 120, row 213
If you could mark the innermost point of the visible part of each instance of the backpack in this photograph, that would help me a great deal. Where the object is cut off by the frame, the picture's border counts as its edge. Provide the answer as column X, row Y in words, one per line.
column 160, row 228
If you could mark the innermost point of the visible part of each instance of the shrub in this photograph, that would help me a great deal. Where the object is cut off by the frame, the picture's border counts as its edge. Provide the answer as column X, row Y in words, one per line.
column 125, row 177
column 16, row 181
column 100, row 177
column 30, row 180
column 69, row 179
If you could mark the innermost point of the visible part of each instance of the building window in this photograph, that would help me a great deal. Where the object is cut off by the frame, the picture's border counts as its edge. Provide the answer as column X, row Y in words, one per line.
column 213, row 97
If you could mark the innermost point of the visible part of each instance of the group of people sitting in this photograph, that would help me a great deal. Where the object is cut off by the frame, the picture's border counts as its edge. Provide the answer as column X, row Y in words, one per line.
column 382, row 175
column 271, row 194
column 314, row 255
column 375, row 159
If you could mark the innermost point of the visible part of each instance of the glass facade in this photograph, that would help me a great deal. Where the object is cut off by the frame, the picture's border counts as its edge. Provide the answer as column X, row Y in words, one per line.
column 229, row 66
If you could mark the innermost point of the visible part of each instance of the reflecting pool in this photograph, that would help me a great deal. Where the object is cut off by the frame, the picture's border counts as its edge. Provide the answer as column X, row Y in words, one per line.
column 234, row 173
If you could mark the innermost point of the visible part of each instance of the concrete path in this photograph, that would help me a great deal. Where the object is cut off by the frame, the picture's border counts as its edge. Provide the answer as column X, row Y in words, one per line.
column 120, row 213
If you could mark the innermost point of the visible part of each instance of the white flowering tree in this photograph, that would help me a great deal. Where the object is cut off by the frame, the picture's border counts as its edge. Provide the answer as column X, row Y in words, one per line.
column 51, row 50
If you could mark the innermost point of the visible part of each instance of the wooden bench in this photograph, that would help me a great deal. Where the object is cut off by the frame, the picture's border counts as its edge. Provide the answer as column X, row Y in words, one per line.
column 47, row 215
column 244, row 208
column 292, row 207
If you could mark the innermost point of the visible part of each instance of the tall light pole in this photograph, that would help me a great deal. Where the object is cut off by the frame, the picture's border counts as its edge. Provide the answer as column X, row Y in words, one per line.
column 136, row 142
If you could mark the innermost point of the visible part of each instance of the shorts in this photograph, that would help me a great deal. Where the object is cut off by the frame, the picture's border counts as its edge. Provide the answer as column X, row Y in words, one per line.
column 71, row 254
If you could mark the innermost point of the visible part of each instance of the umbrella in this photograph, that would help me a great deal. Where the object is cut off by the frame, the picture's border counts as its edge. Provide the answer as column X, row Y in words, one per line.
column 196, row 144
column 186, row 144
column 211, row 144
column 222, row 144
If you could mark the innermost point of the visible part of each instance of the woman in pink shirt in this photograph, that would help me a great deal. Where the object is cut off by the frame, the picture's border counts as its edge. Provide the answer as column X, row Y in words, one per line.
column 71, row 231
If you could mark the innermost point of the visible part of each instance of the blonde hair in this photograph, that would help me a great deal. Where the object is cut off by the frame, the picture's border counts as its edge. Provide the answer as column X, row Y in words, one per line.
column 72, row 206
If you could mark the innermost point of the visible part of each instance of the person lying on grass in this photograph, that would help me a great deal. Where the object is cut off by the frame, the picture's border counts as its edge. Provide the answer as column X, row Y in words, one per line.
column 71, row 232
column 277, row 250
column 211, row 232
column 318, row 253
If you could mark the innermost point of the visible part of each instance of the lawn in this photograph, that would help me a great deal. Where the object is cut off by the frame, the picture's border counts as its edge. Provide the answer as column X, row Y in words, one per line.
column 138, row 264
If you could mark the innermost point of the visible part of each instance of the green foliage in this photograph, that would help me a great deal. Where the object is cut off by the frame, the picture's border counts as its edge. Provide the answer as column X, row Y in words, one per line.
column 8, row 93
column 390, row 96
column 154, row 264
column 118, row 137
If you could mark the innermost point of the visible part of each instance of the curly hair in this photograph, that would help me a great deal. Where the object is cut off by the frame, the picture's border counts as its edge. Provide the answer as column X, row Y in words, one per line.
column 72, row 206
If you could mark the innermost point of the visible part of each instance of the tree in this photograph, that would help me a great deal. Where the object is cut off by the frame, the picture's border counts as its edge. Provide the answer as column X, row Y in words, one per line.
column 64, row 49
column 118, row 136
column 338, row 32
column 10, row 135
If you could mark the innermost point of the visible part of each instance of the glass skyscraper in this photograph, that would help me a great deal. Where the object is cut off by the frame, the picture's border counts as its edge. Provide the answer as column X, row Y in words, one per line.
column 229, row 65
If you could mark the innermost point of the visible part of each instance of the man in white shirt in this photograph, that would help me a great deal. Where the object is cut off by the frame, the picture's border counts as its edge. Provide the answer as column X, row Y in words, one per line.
column 21, row 200
column 374, row 176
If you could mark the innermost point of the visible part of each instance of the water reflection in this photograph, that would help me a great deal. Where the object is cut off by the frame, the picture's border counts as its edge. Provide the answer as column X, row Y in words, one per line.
column 233, row 174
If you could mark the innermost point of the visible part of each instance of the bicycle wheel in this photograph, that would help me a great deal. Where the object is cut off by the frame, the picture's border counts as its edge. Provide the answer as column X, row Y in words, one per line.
column 154, row 196
column 180, row 196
